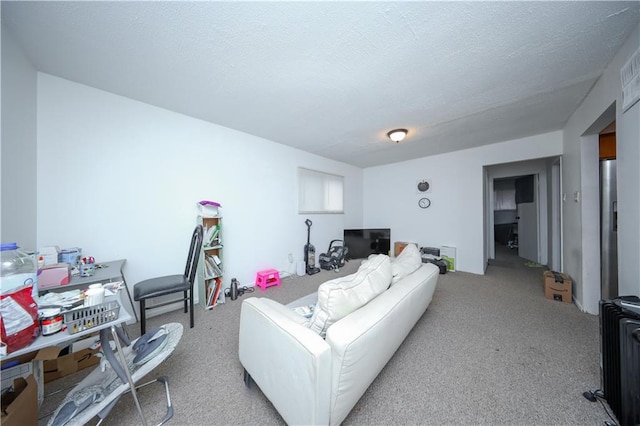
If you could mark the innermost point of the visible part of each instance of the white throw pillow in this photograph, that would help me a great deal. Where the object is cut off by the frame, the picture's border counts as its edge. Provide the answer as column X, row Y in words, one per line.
column 369, row 261
column 339, row 297
column 407, row 262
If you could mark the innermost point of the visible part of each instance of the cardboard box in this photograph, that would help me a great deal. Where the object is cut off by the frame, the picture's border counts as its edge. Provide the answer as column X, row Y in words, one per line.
column 398, row 246
column 55, row 366
column 54, row 275
column 20, row 407
column 47, row 365
column 49, row 254
column 71, row 256
column 448, row 254
column 28, row 365
column 557, row 286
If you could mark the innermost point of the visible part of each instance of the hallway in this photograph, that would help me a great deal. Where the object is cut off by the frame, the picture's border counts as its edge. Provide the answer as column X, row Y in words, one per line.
column 508, row 258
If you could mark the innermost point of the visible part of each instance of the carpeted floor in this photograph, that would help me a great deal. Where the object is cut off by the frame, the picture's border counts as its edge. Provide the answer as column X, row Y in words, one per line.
column 489, row 350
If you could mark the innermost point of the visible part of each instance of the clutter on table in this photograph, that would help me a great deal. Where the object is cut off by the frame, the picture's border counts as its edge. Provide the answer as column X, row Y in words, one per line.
column 18, row 310
column 78, row 310
column 25, row 315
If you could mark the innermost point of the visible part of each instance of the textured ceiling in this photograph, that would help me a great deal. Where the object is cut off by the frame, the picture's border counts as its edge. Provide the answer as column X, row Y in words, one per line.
column 332, row 78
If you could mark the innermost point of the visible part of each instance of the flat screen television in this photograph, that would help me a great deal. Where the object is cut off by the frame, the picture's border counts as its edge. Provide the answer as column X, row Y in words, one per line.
column 364, row 242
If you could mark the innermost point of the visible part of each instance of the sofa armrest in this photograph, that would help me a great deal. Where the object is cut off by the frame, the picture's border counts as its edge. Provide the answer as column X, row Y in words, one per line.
column 290, row 363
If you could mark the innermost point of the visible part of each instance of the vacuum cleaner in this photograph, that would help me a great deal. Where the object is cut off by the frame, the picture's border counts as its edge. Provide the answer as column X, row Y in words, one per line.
column 310, row 252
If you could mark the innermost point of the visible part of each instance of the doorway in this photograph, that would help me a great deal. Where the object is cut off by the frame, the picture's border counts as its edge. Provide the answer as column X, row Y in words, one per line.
column 537, row 232
column 516, row 218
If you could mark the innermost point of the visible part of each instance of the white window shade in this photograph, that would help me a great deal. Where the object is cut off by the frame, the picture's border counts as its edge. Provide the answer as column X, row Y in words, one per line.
column 505, row 199
column 320, row 192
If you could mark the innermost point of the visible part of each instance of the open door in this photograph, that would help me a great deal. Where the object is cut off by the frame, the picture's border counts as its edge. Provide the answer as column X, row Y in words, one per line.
column 527, row 206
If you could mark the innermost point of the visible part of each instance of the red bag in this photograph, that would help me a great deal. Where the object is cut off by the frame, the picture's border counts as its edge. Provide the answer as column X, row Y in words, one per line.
column 18, row 318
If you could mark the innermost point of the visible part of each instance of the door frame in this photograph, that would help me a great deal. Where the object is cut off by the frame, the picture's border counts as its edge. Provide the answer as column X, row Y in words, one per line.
column 542, row 167
column 556, row 258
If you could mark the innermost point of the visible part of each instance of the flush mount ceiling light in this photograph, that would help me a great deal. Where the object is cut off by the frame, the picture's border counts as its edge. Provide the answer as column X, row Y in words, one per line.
column 397, row 135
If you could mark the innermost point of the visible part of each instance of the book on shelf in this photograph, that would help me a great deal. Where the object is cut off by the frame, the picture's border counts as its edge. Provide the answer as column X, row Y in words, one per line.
column 216, row 297
column 212, row 266
column 208, row 270
column 210, row 291
column 214, row 292
column 212, row 235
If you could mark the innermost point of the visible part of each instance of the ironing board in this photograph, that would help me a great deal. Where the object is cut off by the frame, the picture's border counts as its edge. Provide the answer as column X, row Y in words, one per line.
column 110, row 386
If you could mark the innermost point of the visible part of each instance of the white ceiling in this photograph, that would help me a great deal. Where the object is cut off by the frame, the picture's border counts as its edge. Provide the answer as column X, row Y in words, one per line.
column 332, row 78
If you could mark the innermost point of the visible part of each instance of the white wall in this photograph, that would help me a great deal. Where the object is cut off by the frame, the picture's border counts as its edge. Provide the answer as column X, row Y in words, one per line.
column 120, row 179
column 18, row 146
column 579, row 252
column 456, row 216
column 628, row 163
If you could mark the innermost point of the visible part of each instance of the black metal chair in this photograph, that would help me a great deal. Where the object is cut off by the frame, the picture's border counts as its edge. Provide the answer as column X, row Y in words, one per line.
column 169, row 284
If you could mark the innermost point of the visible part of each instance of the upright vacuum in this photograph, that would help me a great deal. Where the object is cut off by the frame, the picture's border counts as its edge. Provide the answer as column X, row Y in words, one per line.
column 310, row 252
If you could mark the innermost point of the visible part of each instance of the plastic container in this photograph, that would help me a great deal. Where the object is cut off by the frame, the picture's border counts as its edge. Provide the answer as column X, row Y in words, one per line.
column 87, row 269
column 18, row 269
column 85, row 318
column 51, row 321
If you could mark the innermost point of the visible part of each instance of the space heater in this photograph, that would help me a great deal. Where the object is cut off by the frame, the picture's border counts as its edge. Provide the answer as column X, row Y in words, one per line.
column 620, row 357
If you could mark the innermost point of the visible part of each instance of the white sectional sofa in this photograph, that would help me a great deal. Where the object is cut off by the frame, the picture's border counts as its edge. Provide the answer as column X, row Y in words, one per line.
column 313, row 380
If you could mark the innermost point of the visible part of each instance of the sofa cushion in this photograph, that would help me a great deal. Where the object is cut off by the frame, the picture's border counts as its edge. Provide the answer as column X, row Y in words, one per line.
column 407, row 262
column 339, row 297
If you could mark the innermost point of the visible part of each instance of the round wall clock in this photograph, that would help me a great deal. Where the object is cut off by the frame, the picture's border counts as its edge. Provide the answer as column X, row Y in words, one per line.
column 424, row 203
column 423, row 186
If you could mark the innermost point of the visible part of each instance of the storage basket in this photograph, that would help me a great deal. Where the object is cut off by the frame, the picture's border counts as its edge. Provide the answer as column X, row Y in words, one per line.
column 88, row 317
